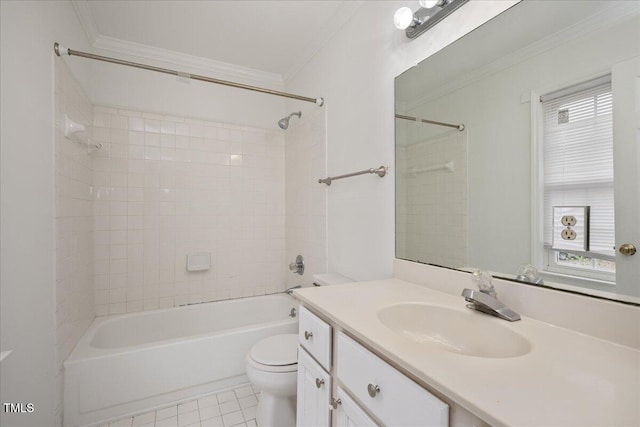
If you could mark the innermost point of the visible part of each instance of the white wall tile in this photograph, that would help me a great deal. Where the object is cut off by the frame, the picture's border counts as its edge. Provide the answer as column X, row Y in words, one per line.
column 177, row 185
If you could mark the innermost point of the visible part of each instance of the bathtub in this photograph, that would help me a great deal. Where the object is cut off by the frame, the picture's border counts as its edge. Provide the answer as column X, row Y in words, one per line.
column 131, row 363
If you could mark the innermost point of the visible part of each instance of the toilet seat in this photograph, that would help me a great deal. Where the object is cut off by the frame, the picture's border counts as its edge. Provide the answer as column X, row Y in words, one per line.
column 278, row 353
column 274, row 369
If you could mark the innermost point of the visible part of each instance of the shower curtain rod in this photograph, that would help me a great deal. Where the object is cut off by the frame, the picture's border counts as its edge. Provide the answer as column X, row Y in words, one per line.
column 460, row 127
column 60, row 50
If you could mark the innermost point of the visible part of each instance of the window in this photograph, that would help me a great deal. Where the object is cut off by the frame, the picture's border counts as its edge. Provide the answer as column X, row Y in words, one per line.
column 578, row 171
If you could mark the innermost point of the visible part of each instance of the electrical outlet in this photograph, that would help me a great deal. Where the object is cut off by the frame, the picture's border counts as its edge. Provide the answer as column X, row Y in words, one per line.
column 569, row 220
column 570, row 230
column 568, row 234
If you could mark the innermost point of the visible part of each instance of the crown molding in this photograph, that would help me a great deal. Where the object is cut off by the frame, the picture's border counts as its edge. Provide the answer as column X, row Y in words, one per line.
column 336, row 22
column 86, row 19
column 184, row 60
column 583, row 28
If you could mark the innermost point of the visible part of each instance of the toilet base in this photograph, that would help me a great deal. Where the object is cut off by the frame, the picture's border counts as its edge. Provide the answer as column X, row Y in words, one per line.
column 276, row 411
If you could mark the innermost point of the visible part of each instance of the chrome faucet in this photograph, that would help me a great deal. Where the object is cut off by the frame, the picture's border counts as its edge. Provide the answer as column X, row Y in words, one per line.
column 485, row 299
column 290, row 290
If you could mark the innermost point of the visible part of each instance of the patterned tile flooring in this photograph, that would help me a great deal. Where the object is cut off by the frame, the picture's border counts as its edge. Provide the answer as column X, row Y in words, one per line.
column 230, row 408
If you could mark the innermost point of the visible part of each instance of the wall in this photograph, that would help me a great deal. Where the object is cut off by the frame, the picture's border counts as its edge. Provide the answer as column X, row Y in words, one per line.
column 306, row 206
column 74, row 216
column 27, row 285
column 355, row 72
column 166, row 186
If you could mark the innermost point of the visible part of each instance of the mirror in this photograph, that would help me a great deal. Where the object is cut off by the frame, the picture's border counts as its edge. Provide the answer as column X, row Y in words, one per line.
column 475, row 189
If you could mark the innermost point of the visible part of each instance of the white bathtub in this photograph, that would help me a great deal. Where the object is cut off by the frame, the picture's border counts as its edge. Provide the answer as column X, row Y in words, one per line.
column 134, row 362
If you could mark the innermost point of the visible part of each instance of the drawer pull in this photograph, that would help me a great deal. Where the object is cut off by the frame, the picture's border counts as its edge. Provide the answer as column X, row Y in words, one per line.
column 308, row 335
column 373, row 390
column 319, row 382
column 335, row 403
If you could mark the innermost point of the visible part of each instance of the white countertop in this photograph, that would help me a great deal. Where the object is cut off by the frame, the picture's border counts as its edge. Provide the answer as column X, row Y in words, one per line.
column 567, row 379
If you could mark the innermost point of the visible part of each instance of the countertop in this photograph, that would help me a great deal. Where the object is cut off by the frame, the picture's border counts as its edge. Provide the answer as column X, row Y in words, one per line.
column 567, row 379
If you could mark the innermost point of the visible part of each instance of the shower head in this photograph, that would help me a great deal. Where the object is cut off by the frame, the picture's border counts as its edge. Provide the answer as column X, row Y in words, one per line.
column 284, row 122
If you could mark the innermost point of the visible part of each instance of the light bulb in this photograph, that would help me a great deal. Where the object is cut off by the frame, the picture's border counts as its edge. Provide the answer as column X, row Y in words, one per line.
column 428, row 3
column 403, row 18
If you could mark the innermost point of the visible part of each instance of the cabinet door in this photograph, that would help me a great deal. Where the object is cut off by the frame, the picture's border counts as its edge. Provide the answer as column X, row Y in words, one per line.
column 314, row 392
column 349, row 414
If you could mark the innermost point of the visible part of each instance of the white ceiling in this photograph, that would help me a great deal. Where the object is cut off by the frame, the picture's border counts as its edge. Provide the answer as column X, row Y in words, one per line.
column 276, row 37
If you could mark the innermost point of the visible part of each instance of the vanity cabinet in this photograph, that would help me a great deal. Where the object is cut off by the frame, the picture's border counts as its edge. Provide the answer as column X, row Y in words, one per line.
column 361, row 388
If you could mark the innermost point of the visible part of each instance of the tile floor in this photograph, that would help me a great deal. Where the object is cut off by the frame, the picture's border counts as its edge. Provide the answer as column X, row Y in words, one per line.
column 230, row 408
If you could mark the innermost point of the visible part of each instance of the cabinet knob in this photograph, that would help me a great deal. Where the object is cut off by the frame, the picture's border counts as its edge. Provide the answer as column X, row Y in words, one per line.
column 373, row 390
column 319, row 382
column 335, row 403
column 308, row 335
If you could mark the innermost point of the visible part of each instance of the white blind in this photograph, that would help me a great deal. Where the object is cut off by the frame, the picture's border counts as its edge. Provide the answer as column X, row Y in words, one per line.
column 578, row 161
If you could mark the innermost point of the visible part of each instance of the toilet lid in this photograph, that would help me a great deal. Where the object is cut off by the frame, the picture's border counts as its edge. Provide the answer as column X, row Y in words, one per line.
column 277, row 350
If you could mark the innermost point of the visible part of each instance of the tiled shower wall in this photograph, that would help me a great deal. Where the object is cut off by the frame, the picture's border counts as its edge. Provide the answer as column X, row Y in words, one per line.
column 74, row 224
column 305, row 152
column 169, row 186
column 432, row 205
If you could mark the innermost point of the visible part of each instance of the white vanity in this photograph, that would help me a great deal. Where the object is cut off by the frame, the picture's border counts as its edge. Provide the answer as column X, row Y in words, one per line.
column 370, row 351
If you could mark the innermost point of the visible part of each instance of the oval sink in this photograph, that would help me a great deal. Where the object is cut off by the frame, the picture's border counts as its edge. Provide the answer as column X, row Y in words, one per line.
column 453, row 330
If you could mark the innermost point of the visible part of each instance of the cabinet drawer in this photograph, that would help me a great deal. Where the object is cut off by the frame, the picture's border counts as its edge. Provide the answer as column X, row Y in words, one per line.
column 315, row 336
column 389, row 395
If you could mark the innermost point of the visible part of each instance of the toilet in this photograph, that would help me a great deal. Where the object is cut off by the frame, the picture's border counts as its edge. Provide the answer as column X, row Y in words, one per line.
column 272, row 366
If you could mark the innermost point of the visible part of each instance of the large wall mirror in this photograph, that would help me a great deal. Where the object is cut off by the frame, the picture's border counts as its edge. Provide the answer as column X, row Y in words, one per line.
column 518, row 146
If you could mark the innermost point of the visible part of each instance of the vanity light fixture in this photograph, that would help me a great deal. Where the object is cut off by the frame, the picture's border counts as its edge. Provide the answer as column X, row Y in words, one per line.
column 430, row 13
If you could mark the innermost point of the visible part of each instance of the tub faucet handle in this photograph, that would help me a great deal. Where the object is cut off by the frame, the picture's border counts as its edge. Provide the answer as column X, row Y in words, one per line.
column 298, row 265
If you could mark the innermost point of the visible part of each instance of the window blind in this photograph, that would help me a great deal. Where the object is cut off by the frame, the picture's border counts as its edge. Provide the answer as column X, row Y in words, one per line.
column 578, row 160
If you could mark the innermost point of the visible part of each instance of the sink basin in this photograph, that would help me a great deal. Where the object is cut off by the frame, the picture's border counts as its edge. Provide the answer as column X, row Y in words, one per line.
column 457, row 331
